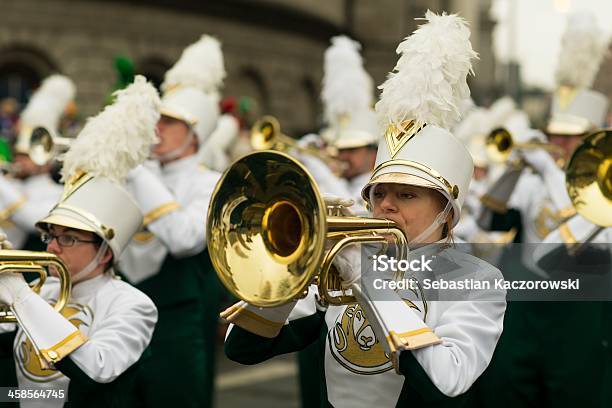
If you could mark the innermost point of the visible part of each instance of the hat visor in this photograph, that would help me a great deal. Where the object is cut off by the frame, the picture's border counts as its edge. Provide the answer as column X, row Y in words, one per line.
column 397, row 178
column 175, row 114
column 64, row 221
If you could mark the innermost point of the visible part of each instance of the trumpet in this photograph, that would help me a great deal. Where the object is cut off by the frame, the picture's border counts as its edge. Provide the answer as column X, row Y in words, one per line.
column 268, row 228
column 266, row 135
column 499, row 144
column 45, row 145
column 588, row 178
column 36, row 262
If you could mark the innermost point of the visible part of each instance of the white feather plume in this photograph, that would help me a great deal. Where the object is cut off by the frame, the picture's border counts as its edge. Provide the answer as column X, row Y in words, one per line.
column 473, row 124
column 583, row 46
column 200, row 66
column 48, row 102
column 500, row 111
column 429, row 81
column 118, row 138
column 347, row 87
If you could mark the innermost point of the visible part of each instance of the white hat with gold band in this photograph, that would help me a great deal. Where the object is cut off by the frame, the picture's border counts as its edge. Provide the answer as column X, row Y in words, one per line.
column 576, row 109
column 44, row 109
column 191, row 87
column 420, row 100
column 96, row 166
column 347, row 95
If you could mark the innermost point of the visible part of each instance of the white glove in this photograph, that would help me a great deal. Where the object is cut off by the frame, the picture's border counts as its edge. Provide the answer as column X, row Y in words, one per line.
column 148, row 189
column 529, row 135
column 13, row 288
column 4, row 242
column 348, row 263
column 540, row 160
column 311, row 140
column 343, row 205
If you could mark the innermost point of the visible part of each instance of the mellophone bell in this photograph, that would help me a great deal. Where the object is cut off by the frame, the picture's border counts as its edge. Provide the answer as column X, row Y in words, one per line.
column 268, row 227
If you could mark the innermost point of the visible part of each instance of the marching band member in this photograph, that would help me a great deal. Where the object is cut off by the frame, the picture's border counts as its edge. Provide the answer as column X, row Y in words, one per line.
column 87, row 350
column 168, row 259
column 420, row 180
column 536, row 204
column 33, row 194
column 351, row 123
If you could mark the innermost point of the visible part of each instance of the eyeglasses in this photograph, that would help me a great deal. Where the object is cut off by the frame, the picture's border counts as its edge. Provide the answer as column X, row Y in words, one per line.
column 64, row 241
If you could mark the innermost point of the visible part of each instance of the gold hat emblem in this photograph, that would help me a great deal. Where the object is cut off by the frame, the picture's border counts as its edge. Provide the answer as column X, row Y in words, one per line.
column 397, row 137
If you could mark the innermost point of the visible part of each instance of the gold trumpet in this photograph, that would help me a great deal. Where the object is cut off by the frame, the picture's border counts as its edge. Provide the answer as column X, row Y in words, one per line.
column 499, row 144
column 588, row 178
column 36, row 262
column 45, row 145
column 268, row 228
column 266, row 135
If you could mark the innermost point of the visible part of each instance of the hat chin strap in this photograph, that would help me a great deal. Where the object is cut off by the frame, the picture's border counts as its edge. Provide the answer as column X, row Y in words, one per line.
column 439, row 220
column 173, row 154
column 93, row 264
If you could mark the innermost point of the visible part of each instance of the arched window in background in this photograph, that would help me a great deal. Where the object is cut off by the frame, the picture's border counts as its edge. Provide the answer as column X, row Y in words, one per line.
column 250, row 90
column 21, row 71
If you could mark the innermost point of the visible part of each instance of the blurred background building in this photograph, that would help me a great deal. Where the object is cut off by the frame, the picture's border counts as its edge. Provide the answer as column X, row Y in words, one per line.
column 273, row 48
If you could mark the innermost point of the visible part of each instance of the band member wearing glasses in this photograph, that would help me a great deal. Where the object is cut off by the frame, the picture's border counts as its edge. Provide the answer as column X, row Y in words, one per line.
column 85, row 352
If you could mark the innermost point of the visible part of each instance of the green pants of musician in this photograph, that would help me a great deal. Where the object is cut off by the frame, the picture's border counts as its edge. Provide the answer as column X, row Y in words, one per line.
column 180, row 371
column 550, row 354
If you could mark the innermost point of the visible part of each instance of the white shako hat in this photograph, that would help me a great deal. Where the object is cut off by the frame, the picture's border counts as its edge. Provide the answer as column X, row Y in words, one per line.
column 96, row 167
column 420, row 100
column 44, row 109
column 472, row 131
column 191, row 87
column 577, row 109
column 347, row 97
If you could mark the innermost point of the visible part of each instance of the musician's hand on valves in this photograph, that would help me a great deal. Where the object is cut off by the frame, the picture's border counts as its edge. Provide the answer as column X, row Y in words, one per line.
column 4, row 242
column 311, row 140
column 339, row 205
column 13, row 288
column 539, row 159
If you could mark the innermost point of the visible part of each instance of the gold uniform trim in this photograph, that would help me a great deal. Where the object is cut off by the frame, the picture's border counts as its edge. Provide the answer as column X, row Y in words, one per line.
column 251, row 321
column 566, row 212
column 64, row 347
column 566, row 234
column 494, row 204
column 8, row 211
column 159, row 212
column 413, row 339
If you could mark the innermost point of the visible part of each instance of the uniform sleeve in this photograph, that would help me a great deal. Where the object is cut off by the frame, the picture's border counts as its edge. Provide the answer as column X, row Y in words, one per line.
column 469, row 332
column 558, row 250
column 31, row 212
column 22, row 210
column 327, row 181
column 117, row 343
column 257, row 334
column 245, row 347
column 180, row 226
